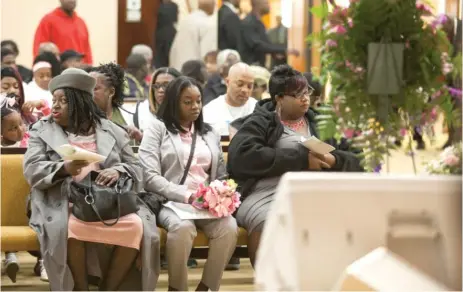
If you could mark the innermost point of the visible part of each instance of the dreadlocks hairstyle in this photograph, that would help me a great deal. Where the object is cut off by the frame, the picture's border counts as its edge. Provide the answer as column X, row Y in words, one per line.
column 84, row 114
column 169, row 111
column 115, row 77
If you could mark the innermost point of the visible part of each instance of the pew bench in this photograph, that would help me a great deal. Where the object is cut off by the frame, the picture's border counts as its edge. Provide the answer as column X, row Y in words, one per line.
column 16, row 235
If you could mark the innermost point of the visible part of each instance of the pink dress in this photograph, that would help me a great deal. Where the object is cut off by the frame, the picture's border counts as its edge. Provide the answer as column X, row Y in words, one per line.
column 200, row 165
column 127, row 232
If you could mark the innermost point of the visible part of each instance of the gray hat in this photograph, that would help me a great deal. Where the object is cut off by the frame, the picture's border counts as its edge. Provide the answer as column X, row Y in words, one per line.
column 73, row 78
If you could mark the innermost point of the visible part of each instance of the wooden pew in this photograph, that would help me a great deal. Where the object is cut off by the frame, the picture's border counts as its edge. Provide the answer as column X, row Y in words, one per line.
column 16, row 235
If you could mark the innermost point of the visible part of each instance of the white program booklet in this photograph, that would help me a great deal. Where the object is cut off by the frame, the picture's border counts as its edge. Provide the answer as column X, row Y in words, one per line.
column 70, row 152
column 316, row 145
column 188, row 212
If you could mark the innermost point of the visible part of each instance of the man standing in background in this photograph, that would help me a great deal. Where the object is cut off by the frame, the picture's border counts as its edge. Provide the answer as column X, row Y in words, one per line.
column 279, row 36
column 66, row 29
column 196, row 35
column 229, row 25
column 256, row 43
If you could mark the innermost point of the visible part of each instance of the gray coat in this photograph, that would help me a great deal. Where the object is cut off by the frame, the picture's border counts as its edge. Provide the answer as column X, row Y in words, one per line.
column 162, row 157
column 49, row 205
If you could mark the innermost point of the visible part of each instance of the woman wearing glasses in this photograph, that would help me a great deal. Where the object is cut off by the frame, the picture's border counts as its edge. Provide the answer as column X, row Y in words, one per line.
column 146, row 110
column 267, row 145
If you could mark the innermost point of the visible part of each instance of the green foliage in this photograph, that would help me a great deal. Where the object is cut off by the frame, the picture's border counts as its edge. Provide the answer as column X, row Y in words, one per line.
column 344, row 41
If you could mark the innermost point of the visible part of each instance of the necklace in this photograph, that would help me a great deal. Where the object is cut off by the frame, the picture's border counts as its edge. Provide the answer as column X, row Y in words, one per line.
column 295, row 126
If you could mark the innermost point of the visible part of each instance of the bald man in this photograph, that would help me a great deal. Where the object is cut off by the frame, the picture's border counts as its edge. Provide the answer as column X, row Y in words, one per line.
column 234, row 104
column 49, row 47
column 196, row 35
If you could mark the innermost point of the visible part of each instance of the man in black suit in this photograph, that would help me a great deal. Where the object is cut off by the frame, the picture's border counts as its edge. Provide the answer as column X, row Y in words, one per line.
column 255, row 42
column 229, row 25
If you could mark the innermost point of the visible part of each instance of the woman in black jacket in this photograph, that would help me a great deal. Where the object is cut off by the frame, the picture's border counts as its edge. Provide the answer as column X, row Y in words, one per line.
column 267, row 145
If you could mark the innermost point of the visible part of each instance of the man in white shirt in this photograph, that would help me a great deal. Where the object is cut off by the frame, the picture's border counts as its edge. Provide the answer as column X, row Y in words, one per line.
column 236, row 103
column 196, row 35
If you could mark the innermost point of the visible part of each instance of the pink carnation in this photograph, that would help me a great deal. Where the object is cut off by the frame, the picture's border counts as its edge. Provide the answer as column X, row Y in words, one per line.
column 425, row 9
column 452, row 160
column 219, row 198
column 338, row 29
column 331, row 43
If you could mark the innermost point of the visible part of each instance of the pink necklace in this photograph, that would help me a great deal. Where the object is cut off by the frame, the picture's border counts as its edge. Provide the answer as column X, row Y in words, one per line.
column 295, row 126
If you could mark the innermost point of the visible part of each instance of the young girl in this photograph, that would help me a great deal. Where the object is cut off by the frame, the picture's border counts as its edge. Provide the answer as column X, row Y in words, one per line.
column 13, row 128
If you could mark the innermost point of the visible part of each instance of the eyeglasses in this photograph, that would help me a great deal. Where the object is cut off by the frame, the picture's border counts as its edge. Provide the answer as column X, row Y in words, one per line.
column 157, row 86
column 306, row 94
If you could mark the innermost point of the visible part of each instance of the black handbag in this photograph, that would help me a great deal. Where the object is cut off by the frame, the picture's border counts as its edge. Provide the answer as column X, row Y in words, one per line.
column 93, row 202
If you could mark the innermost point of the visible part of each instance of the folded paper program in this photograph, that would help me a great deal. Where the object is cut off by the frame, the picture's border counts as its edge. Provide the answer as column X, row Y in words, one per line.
column 70, row 152
column 317, row 146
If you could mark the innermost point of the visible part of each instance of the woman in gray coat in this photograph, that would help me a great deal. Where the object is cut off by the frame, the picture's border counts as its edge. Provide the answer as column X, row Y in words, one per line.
column 164, row 153
column 73, row 249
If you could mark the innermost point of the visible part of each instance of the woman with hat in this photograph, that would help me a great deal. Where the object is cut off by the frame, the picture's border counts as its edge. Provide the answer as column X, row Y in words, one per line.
column 73, row 249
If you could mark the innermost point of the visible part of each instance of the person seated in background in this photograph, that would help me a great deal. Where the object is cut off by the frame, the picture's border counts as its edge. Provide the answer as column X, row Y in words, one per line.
column 8, row 58
column 137, row 69
column 180, row 125
column 316, row 99
column 37, row 89
column 235, row 103
column 12, row 93
column 71, row 59
column 211, row 62
column 107, row 95
column 50, row 58
column 146, row 52
column 25, row 73
column 261, row 77
column 216, row 85
column 49, row 47
column 147, row 109
column 267, row 145
column 70, row 245
column 12, row 87
column 195, row 69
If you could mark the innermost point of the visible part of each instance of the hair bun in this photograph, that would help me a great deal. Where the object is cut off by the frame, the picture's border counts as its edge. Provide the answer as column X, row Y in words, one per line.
column 283, row 71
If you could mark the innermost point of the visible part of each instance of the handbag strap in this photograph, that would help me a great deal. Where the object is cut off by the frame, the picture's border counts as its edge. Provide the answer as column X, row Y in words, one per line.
column 190, row 159
column 119, row 184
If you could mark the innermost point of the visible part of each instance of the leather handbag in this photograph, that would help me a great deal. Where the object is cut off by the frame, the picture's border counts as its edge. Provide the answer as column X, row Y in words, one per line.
column 93, row 202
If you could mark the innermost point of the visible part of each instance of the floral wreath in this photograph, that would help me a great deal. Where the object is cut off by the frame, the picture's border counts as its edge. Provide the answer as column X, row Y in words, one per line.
column 387, row 62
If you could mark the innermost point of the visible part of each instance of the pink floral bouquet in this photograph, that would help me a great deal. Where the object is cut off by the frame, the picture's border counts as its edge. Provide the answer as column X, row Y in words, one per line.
column 220, row 198
column 449, row 161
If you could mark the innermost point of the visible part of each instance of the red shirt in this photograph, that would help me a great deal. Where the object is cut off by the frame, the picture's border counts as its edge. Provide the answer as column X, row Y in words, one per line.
column 67, row 32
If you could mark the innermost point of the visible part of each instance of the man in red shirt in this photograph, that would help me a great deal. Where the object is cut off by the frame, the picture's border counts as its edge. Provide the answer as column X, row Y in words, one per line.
column 66, row 29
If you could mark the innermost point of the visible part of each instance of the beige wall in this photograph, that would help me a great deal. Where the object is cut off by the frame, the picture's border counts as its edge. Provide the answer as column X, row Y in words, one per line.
column 19, row 20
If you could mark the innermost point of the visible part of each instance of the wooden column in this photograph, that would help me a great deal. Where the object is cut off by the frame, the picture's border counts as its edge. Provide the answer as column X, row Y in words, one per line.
column 297, row 35
column 132, row 33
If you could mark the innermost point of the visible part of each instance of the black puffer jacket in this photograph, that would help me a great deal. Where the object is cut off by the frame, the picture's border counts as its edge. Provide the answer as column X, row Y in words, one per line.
column 252, row 154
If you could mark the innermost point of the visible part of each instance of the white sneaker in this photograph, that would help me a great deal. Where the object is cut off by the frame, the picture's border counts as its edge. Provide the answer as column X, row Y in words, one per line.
column 11, row 266
column 43, row 272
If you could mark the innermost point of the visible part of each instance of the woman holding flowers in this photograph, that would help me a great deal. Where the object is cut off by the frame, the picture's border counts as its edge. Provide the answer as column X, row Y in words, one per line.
column 267, row 145
column 179, row 153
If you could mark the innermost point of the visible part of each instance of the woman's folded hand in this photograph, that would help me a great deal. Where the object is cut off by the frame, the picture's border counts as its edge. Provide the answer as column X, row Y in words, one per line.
column 107, row 177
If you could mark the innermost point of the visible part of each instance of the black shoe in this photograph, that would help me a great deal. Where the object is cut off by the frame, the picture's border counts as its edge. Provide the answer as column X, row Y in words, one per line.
column 233, row 265
column 192, row 263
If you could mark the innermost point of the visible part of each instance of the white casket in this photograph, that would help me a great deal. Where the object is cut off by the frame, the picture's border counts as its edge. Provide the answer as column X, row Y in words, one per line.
column 320, row 223
column 382, row 270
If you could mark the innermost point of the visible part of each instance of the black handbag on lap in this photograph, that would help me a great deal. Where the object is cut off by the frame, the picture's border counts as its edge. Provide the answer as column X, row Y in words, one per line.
column 93, row 202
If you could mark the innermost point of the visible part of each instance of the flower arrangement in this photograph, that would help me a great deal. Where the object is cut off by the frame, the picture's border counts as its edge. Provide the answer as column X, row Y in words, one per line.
column 449, row 161
column 374, row 121
column 220, row 198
